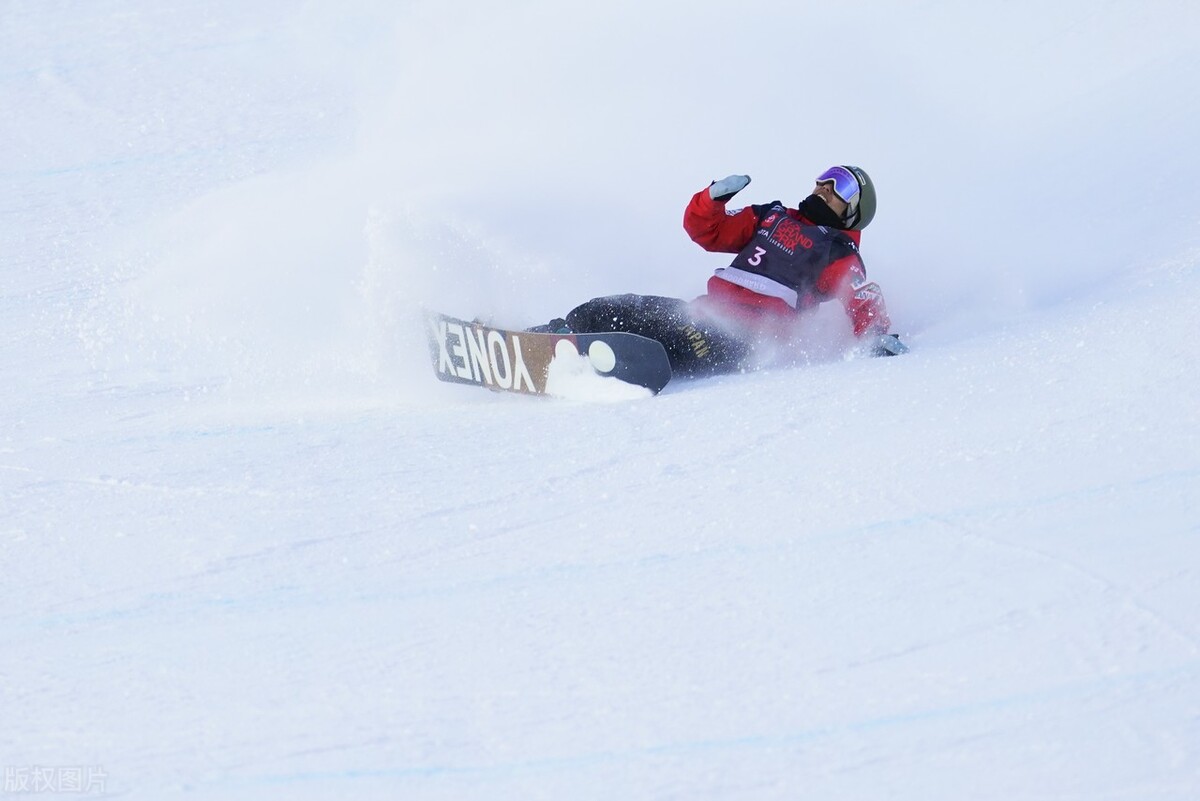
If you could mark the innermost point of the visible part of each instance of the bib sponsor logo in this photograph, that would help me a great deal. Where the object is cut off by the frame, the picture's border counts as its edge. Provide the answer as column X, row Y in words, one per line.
column 789, row 235
column 481, row 355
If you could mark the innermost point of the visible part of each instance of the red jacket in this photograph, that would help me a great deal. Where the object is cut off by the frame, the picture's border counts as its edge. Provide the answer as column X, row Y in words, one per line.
column 713, row 228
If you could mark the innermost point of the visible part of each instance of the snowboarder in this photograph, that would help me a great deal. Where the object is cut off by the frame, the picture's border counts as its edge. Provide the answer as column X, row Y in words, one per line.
column 788, row 261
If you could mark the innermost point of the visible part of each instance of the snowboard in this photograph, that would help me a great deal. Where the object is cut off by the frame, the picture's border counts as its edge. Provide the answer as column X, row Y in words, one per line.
column 526, row 362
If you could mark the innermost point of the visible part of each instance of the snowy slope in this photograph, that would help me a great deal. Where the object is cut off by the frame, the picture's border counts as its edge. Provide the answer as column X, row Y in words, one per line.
column 251, row 549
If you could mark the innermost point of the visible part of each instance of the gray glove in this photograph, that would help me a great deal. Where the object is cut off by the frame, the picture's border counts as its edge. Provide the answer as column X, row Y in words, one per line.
column 888, row 345
column 726, row 188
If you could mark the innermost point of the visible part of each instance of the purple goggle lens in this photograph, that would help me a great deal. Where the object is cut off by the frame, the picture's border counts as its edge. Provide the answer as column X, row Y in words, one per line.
column 844, row 182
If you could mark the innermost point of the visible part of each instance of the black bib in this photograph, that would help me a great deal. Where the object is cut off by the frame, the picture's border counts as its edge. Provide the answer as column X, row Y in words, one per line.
column 790, row 252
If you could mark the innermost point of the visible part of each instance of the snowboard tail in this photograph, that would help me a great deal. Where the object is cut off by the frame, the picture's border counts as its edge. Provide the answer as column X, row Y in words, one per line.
column 525, row 362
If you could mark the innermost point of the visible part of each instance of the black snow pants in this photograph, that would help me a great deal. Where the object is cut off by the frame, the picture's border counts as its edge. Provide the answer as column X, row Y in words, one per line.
column 694, row 345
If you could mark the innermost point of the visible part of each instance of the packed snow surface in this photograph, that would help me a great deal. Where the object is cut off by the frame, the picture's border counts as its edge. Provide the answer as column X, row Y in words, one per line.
column 251, row 548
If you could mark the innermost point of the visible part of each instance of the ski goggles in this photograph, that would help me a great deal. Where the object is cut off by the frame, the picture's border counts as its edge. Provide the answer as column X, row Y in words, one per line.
column 844, row 183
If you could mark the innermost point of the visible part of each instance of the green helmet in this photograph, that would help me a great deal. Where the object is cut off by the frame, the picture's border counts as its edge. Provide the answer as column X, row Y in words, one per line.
column 864, row 210
column 853, row 185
